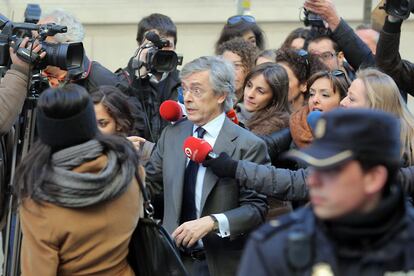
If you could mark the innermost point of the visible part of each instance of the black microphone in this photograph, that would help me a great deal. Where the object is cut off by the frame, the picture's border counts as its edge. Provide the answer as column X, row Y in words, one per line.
column 156, row 40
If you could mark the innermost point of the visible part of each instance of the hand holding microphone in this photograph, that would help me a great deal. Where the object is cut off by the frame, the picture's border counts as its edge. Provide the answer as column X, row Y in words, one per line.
column 200, row 151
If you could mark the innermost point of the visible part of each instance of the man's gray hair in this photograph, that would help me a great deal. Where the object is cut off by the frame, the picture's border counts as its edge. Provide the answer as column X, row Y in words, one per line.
column 221, row 76
column 75, row 31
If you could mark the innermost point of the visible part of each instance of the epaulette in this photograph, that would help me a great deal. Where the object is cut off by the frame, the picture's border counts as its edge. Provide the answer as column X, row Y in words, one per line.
column 274, row 226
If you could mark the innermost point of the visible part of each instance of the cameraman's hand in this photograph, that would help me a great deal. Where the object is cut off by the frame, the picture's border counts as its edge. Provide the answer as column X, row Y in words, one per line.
column 25, row 44
column 222, row 166
column 143, row 53
column 326, row 9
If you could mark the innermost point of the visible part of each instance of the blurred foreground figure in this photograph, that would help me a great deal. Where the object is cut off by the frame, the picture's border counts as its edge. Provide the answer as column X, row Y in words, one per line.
column 358, row 222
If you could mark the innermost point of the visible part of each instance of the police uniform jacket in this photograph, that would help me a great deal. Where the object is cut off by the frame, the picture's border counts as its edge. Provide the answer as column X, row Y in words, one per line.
column 296, row 244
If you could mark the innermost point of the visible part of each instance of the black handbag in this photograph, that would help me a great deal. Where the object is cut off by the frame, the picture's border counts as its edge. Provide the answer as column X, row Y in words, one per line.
column 152, row 252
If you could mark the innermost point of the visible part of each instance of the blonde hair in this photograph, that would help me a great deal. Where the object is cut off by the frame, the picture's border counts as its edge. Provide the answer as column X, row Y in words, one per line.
column 382, row 93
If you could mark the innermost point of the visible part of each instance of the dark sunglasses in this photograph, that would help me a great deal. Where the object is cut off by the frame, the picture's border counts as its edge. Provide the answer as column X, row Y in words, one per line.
column 337, row 73
column 238, row 18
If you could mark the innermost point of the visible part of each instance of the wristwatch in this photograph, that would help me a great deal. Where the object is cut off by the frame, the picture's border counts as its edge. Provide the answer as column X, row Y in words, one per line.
column 216, row 224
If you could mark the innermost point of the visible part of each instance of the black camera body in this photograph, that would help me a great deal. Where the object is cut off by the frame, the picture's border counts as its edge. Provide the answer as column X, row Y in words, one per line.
column 159, row 60
column 399, row 8
column 66, row 56
column 312, row 19
column 315, row 22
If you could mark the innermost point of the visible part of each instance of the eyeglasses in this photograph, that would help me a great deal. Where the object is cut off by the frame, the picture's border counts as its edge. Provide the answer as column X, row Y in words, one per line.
column 238, row 18
column 337, row 73
column 196, row 92
column 326, row 55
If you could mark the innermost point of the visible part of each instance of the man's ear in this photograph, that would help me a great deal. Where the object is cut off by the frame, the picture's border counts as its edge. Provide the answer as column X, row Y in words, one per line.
column 375, row 179
column 341, row 57
column 221, row 98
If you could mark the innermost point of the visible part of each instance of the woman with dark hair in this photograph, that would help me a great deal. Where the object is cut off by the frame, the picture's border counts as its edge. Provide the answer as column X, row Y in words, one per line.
column 297, row 39
column 265, row 99
column 326, row 90
column 243, row 26
column 299, row 65
column 242, row 55
column 113, row 115
column 79, row 199
column 266, row 104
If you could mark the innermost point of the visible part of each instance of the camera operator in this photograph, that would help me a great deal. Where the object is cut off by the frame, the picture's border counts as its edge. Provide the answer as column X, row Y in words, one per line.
column 13, row 88
column 149, row 88
column 388, row 57
column 92, row 74
column 356, row 52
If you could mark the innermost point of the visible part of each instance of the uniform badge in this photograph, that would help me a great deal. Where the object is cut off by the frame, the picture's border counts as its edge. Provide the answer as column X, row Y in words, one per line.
column 322, row 269
column 320, row 128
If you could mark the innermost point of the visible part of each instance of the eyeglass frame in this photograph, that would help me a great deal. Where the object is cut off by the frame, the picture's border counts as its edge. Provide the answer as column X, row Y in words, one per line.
column 239, row 18
column 196, row 94
column 324, row 55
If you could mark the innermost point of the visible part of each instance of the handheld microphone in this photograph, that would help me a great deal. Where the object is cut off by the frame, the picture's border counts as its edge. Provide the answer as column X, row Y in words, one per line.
column 171, row 111
column 231, row 114
column 313, row 118
column 198, row 149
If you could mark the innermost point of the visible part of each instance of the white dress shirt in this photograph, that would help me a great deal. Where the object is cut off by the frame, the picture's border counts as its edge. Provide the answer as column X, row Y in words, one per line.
column 212, row 131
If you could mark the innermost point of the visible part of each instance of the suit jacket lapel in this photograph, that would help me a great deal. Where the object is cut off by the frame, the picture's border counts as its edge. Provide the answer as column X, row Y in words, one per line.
column 180, row 161
column 224, row 143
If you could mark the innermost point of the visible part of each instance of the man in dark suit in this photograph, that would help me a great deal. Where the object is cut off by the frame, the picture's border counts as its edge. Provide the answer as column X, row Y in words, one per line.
column 208, row 217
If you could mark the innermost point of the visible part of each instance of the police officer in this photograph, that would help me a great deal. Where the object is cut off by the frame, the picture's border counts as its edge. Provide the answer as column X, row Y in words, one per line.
column 358, row 222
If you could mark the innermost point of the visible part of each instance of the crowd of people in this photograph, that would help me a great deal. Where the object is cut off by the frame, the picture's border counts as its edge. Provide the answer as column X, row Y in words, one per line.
column 314, row 175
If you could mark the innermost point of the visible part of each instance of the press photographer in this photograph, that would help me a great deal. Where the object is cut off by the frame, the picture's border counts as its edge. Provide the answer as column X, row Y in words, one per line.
column 13, row 88
column 91, row 74
column 322, row 14
column 388, row 57
column 152, row 73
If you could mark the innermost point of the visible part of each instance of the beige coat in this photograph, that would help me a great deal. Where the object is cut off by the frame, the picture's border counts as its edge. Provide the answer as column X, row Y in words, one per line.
column 13, row 89
column 79, row 241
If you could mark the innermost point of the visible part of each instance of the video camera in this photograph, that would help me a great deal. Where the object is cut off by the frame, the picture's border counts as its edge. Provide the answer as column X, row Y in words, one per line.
column 399, row 8
column 315, row 21
column 159, row 60
column 66, row 56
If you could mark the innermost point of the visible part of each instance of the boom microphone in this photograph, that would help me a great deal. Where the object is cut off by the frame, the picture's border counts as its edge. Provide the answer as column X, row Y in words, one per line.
column 198, row 149
column 171, row 111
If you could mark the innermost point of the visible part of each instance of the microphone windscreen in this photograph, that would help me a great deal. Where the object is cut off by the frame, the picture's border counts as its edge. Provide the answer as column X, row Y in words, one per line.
column 231, row 114
column 313, row 118
column 196, row 149
column 171, row 111
column 152, row 36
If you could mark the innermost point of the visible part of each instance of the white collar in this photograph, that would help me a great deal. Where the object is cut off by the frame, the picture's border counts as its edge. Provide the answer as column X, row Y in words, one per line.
column 214, row 126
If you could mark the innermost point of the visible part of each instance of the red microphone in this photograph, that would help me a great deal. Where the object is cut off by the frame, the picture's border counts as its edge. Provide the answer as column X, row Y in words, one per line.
column 171, row 111
column 198, row 149
column 231, row 114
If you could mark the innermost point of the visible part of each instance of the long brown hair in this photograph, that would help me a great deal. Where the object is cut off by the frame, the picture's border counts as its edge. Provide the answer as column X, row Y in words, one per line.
column 278, row 107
